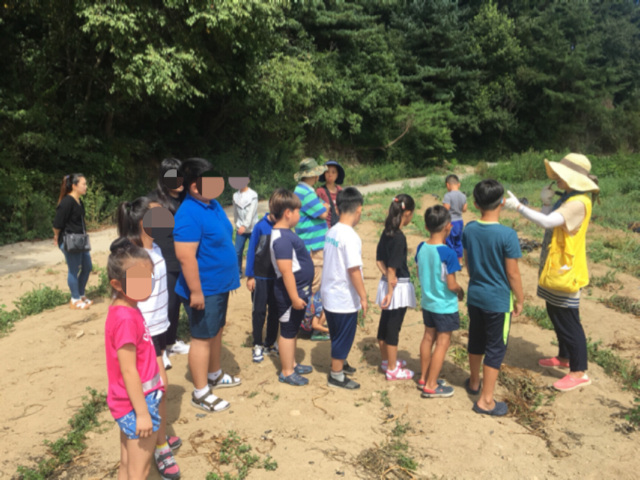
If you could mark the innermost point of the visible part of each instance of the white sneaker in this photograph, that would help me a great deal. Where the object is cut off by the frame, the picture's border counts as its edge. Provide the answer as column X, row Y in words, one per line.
column 178, row 348
column 258, row 353
column 166, row 361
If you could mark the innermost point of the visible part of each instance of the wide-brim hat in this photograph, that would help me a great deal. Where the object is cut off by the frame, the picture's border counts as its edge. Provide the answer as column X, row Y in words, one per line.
column 309, row 168
column 340, row 172
column 575, row 170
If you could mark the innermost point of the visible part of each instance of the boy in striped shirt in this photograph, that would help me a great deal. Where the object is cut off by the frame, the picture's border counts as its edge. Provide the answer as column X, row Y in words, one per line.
column 312, row 226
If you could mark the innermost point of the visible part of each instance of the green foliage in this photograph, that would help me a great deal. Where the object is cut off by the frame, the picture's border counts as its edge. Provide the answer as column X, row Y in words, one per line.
column 40, row 299
column 234, row 452
column 538, row 315
column 634, row 413
column 623, row 304
column 613, row 365
column 460, row 356
column 7, row 319
column 384, row 398
column 66, row 448
column 606, row 280
column 401, row 429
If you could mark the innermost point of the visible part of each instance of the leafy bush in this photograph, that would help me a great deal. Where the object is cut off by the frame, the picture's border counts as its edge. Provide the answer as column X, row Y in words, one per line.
column 7, row 319
column 40, row 299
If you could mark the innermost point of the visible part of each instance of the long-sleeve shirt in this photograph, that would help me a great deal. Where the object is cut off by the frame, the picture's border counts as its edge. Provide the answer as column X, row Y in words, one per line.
column 245, row 209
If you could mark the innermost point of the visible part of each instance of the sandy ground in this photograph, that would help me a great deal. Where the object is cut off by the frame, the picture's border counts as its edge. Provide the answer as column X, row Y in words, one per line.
column 313, row 432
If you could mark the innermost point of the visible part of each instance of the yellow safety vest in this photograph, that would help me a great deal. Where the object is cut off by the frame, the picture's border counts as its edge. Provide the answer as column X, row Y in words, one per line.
column 566, row 266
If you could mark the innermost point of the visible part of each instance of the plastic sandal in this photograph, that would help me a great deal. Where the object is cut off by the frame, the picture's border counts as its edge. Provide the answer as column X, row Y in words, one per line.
column 500, row 410
column 400, row 363
column 78, row 305
column 303, row 369
column 293, row 379
column 209, row 406
column 224, row 381
column 440, row 382
column 399, row 374
column 441, row 391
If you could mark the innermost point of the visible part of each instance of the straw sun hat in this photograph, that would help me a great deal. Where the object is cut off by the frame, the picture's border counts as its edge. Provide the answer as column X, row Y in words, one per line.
column 575, row 170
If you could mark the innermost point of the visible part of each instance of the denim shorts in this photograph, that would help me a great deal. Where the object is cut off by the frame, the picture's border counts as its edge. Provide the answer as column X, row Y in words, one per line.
column 128, row 423
column 205, row 324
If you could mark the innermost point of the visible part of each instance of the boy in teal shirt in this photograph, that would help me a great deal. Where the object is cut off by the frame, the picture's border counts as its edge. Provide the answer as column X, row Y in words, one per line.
column 437, row 267
column 491, row 253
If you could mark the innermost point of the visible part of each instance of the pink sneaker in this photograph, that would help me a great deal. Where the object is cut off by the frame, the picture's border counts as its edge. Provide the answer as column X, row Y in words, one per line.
column 568, row 383
column 400, row 363
column 399, row 374
column 552, row 362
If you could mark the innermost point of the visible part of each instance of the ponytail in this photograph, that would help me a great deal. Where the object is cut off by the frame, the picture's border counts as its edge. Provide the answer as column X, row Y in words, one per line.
column 122, row 252
column 129, row 216
column 400, row 204
column 67, row 184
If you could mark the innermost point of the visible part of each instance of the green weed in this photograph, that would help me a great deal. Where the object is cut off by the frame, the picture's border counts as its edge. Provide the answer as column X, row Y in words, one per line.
column 524, row 396
column 184, row 331
column 538, row 315
column 51, row 271
column 401, row 429
column 460, row 356
column 606, row 280
column 234, row 452
column 634, row 413
column 613, row 365
column 623, row 304
column 464, row 321
column 253, row 394
column 7, row 319
column 384, row 398
column 41, row 299
column 103, row 289
column 66, row 448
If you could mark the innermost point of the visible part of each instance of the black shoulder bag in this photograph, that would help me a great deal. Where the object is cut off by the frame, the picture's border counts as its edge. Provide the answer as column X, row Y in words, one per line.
column 77, row 242
column 335, row 218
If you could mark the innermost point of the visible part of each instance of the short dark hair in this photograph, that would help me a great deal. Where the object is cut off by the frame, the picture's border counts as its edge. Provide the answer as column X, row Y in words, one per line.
column 192, row 169
column 281, row 200
column 452, row 179
column 488, row 194
column 348, row 200
column 436, row 218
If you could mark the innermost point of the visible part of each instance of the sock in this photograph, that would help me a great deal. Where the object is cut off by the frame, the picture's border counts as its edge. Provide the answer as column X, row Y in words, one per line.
column 159, row 448
column 338, row 375
column 385, row 362
column 199, row 393
column 74, row 300
column 214, row 376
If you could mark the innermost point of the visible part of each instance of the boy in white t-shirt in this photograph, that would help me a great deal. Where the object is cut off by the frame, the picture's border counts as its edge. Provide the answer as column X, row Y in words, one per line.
column 342, row 286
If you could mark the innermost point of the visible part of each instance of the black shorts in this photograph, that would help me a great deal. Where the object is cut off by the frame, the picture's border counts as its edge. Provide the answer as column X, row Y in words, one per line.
column 290, row 322
column 160, row 343
column 488, row 335
column 442, row 322
column 390, row 325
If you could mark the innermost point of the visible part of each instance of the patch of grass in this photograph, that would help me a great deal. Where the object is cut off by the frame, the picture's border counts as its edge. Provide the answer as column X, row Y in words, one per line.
column 68, row 447
column 604, row 281
column 538, row 315
column 623, row 304
column 524, row 396
column 614, row 366
column 7, row 319
column 390, row 458
column 401, row 429
column 460, row 356
column 41, row 299
column 634, row 413
column 233, row 452
column 252, row 394
column 103, row 289
column 384, row 398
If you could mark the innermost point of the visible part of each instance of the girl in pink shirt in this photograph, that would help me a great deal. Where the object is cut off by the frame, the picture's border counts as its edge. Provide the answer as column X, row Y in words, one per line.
column 135, row 384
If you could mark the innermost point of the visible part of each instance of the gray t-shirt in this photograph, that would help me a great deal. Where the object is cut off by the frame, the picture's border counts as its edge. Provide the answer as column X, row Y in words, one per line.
column 456, row 200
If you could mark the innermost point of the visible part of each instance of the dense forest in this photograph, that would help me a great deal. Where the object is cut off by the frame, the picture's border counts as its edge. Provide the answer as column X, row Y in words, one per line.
column 111, row 88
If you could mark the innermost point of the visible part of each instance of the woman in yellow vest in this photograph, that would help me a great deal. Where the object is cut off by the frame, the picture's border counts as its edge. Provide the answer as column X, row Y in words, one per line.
column 563, row 261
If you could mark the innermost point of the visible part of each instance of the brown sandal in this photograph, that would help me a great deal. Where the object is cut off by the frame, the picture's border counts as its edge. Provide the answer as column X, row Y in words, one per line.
column 209, row 407
column 78, row 305
column 86, row 301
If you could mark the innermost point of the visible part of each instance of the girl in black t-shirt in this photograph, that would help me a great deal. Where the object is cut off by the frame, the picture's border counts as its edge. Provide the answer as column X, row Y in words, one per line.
column 170, row 193
column 395, row 290
column 70, row 219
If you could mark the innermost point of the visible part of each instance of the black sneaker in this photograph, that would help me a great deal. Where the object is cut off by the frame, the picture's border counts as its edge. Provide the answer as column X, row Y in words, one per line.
column 347, row 384
column 348, row 369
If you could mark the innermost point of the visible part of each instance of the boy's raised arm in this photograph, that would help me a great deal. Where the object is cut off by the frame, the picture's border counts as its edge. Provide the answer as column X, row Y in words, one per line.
column 186, row 254
column 515, row 281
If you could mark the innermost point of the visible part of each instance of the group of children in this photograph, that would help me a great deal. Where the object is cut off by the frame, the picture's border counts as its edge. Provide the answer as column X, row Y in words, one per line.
column 304, row 260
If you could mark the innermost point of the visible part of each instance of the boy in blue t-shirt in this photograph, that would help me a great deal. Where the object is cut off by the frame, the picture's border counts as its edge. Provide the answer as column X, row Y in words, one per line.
column 204, row 246
column 437, row 267
column 292, row 289
column 491, row 253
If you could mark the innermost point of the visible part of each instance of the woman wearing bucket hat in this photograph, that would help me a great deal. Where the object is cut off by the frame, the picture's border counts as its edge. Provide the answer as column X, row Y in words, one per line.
column 563, row 260
column 328, row 193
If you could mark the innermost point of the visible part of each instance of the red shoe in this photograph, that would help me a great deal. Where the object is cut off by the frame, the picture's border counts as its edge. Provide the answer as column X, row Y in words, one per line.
column 568, row 383
column 552, row 362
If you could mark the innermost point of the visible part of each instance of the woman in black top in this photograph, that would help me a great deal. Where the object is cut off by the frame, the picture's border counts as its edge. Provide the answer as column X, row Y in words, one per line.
column 170, row 193
column 69, row 218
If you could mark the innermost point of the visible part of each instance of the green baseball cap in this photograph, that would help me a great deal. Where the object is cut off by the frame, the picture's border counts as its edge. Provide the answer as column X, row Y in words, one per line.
column 309, row 168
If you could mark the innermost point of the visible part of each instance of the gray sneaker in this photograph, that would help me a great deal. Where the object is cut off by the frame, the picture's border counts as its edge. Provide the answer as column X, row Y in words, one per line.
column 347, row 384
column 441, row 391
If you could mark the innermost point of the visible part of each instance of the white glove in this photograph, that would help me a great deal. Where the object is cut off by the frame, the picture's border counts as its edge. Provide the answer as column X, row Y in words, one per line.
column 512, row 203
column 547, row 194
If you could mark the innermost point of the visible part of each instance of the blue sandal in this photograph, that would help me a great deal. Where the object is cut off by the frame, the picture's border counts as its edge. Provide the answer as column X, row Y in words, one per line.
column 500, row 410
column 293, row 379
column 303, row 369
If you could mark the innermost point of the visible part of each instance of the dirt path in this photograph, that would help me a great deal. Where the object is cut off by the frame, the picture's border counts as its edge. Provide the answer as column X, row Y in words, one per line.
column 313, row 432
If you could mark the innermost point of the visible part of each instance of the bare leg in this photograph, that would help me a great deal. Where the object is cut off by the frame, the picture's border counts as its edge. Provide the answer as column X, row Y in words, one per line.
column 425, row 351
column 123, row 473
column 318, row 324
column 139, row 453
column 216, row 352
column 443, row 340
column 392, row 356
column 162, row 408
column 474, row 366
column 287, row 347
column 199, row 354
column 486, row 397
column 337, row 365
column 383, row 350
